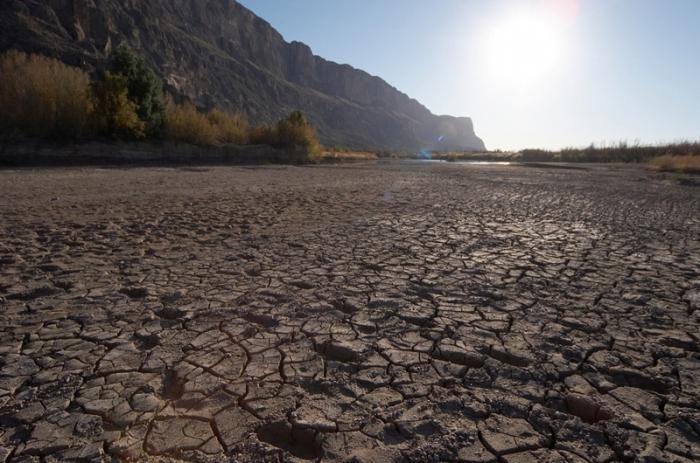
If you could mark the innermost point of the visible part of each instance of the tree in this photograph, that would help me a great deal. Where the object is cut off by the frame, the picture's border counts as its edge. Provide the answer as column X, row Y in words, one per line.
column 116, row 114
column 43, row 97
column 295, row 133
column 144, row 87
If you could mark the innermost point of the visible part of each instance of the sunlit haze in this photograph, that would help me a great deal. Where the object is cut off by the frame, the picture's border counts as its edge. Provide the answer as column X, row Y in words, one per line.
column 540, row 73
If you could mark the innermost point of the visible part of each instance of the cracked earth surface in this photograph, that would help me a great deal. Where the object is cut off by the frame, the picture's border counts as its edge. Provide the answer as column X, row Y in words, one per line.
column 378, row 313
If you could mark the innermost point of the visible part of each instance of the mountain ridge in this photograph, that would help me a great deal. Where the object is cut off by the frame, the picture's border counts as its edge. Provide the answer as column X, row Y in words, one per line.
column 219, row 53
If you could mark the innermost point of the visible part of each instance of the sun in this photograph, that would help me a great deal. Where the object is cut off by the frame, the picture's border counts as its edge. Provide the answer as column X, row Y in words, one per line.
column 524, row 46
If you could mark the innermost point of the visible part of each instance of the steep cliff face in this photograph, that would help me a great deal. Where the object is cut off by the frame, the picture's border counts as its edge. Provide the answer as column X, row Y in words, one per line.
column 217, row 52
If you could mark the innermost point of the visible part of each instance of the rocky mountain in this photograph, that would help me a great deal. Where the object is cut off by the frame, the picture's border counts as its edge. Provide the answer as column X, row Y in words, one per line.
column 219, row 53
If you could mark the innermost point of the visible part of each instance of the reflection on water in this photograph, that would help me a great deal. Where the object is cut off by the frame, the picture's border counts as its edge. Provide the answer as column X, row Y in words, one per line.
column 493, row 163
column 489, row 163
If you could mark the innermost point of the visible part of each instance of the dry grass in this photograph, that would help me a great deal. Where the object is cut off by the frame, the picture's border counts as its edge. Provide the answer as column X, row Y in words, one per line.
column 229, row 128
column 687, row 164
column 42, row 97
column 262, row 135
column 620, row 152
column 184, row 123
column 457, row 156
column 344, row 156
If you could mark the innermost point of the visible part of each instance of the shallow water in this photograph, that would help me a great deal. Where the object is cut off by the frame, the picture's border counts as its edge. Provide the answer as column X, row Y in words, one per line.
column 480, row 163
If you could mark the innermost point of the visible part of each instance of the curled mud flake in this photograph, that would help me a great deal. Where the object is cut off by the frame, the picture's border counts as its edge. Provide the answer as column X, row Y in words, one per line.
column 177, row 434
column 588, row 409
column 173, row 385
column 298, row 441
column 171, row 313
column 515, row 359
column 344, row 351
column 503, row 435
column 460, row 355
column 135, row 292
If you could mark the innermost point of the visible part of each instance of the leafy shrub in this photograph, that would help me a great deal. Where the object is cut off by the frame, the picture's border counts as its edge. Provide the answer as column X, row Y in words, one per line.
column 184, row 123
column 145, row 89
column 295, row 133
column 115, row 114
column 263, row 135
column 42, row 97
column 229, row 128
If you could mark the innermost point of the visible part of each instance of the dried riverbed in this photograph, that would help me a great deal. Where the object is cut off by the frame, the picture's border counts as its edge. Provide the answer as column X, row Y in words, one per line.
column 367, row 313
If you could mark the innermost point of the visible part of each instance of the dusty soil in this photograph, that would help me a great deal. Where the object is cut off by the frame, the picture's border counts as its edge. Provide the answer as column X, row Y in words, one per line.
column 365, row 313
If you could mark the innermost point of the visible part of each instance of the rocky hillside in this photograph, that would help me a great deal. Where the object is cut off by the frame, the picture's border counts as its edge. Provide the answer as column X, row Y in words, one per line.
column 217, row 52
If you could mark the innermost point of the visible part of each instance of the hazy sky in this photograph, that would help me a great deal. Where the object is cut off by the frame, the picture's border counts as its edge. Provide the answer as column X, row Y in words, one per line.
column 530, row 73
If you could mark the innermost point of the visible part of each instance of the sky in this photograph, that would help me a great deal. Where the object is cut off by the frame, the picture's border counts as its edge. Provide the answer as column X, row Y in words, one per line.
column 530, row 73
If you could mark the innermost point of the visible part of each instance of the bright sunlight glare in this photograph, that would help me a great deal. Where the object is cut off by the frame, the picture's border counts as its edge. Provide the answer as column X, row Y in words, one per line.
column 524, row 45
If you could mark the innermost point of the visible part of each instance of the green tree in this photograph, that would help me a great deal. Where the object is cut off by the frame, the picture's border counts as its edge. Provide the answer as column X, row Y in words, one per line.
column 296, row 118
column 144, row 87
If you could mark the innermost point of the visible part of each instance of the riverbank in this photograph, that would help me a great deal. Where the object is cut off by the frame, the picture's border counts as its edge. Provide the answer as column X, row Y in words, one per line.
column 389, row 311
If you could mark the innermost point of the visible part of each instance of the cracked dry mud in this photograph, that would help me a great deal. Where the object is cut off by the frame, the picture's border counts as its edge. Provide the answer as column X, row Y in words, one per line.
column 378, row 313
